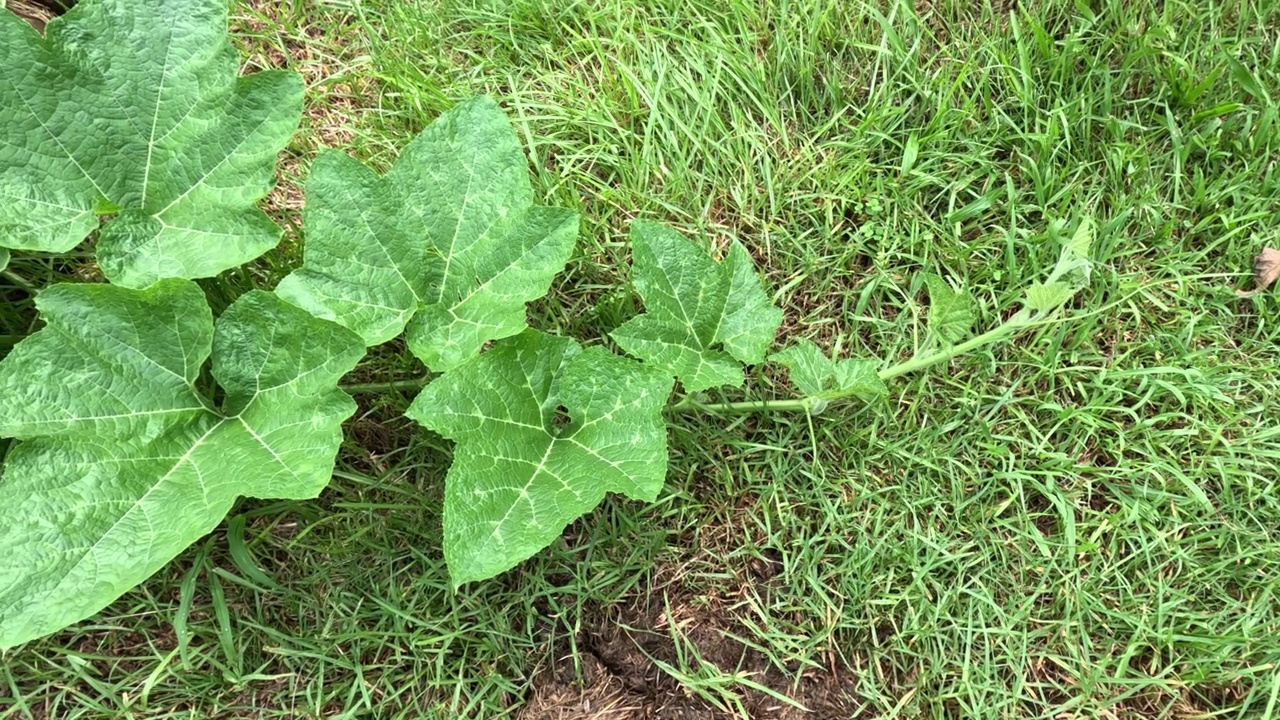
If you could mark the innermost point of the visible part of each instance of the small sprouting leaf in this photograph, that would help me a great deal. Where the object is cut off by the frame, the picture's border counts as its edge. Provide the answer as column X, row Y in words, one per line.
column 1070, row 273
column 1073, row 262
column 1081, row 242
column 1047, row 297
column 122, row 463
column 138, row 106
column 543, row 430
column 448, row 243
column 703, row 319
column 816, row 375
column 4, row 259
column 950, row 312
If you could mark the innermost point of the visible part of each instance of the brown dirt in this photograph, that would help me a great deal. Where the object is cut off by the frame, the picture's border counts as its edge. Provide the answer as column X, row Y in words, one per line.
column 620, row 673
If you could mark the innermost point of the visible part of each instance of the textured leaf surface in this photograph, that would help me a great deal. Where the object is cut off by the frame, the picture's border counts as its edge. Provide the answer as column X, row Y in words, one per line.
column 817, row 375
column 449, row 243
column 1073, row 262
column 543, row 430
column 950, row 312
column 1045, row 297
column 1079, row 246
column 122, row 463
column 703, row 319
column 135, row 107
column 1070, row 273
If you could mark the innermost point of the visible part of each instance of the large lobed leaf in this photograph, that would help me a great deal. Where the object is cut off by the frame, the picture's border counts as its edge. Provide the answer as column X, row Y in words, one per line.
column 135, row 107
column 703, row 319
column 123, row 463
column 449, row 244
column 543, row 429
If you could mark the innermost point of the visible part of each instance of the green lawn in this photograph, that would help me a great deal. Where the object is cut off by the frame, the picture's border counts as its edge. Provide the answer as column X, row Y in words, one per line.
column 1084, row 523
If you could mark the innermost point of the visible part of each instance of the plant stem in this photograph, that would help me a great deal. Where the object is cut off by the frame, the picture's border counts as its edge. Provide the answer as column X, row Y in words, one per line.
column 1019, row 321
column 690, row 405
column 373, row 387
column 1010, row 326
column 1023, row 319
column 20, row 281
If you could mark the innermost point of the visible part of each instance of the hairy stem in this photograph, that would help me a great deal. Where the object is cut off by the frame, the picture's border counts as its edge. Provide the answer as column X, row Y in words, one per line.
column 920, row 362
column 691, row 405
column 1021, row 320
column 397, row 385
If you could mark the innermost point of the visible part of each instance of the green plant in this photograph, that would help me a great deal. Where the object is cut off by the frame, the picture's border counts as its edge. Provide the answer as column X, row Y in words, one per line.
column 129, row 451
column 134, row 110
column 126, row 459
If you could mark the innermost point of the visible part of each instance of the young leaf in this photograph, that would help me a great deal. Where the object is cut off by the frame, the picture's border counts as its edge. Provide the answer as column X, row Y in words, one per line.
column 704, row 319
column 122, row 463
column 135, row 108
column 1069, row 274
column 1077, row 248
column 910, row 152
column 950, row 312
column 816, row 375
column 519, row 474
column 809, row 369
column 859, row 377
column 1048, row 296
column 449, row 243
column 1073, row 262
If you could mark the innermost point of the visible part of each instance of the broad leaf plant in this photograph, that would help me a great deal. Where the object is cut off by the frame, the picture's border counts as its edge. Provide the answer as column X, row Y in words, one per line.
column 140, row 419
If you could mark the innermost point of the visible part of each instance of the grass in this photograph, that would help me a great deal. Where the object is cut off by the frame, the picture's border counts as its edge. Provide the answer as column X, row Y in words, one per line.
column 1081, row 523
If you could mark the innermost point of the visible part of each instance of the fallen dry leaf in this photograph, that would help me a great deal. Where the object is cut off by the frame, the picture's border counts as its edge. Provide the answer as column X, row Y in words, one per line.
column 1266, row 268
column 38, row 14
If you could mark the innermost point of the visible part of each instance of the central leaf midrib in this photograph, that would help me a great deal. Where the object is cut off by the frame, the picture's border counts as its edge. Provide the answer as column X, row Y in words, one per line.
column 520, row 208
column 155, row 116
column 87, row 551
column 524, row 491
column 457, row 228
column 244, row 138
column 199, row 408
column 349, row 191
column 132, row 352
column 183, row 459
column 724, row 284
column 477, row 288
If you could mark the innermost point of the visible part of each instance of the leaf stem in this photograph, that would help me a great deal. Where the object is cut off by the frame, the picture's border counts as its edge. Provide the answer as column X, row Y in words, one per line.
column 692, row 405
column 389, row 385
column 20, row 281
column 1022, row 319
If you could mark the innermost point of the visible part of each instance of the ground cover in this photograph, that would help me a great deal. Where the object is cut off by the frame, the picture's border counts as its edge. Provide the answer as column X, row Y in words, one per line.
column 1080, row 524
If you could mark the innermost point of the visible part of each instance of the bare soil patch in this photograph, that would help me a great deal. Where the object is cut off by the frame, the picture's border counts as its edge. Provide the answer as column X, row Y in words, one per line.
column 620, row 674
